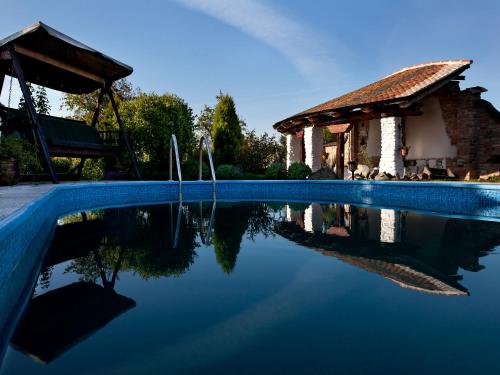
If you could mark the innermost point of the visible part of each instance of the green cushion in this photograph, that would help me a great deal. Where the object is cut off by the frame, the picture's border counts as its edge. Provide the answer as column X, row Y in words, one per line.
column 57, row 129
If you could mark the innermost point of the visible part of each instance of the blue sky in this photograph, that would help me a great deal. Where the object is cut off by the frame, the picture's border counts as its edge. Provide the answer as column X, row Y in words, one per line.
column 275, row 57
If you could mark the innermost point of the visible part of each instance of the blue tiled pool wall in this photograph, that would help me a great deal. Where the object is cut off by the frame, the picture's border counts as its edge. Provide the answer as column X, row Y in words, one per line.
column 470, row 200
column 23, row 235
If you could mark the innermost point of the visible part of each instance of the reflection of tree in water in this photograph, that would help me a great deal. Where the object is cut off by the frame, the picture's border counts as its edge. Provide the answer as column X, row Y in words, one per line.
column 232, row 221
column 137, row 239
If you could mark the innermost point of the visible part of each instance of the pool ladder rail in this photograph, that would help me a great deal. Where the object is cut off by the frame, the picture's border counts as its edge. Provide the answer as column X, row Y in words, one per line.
column 204, row 141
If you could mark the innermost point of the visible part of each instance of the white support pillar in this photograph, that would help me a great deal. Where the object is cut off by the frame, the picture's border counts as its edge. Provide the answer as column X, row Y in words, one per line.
column 391, row 160
column 390, row 226
column 313, row 218
column 313, row 140
column 293, row 149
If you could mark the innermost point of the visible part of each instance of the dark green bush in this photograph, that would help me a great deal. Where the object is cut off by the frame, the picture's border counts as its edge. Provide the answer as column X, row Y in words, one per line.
column 62, row 165
column 228, row 172
column 299, row 171
column 23, row 151
column 276, row 171
column 252, row 176
column 190, row 170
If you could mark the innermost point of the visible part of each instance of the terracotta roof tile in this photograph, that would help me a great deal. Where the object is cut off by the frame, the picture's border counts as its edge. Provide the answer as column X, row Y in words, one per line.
column 396, row 87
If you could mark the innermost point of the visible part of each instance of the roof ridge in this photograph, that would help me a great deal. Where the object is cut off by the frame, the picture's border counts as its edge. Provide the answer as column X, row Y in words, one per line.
column 430, row 63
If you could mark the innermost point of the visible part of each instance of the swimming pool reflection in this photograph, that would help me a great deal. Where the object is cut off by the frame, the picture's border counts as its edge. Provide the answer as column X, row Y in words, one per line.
column 417, row 252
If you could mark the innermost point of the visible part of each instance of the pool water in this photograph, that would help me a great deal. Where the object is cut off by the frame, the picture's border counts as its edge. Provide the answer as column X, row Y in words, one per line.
column 263, row 287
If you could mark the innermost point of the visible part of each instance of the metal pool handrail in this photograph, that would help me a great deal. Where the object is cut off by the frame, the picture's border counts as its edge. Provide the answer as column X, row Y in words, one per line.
column 175, row 235
column 207, row 239
column 205, row 141
column 173, row 140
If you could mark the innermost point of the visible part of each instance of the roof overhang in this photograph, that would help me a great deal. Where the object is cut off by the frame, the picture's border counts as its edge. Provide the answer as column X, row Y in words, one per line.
column 52, row 59
column 398, row 94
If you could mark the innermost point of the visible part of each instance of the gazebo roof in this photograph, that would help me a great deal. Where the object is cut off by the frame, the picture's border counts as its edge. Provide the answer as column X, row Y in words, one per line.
column 53, row 59
column 399, row 88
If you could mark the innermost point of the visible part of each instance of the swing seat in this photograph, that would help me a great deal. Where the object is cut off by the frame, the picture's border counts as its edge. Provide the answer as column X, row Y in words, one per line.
column 67, row 137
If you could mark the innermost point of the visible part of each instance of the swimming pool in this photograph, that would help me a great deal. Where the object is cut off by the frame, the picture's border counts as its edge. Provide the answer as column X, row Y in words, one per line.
column 329, row 277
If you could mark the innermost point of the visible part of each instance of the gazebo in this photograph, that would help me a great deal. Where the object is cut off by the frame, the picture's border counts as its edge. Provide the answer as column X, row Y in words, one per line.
column 41, row 55
column 393, row 101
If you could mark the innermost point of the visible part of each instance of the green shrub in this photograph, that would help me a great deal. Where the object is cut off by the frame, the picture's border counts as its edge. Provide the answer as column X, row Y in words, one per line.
column 228, row 172
column 260, row 151
column 253, row 176
column 190, row 170
column 62, row 165
column 299, row 171
column 276, row 171
column 93, row 169
column 10, row 148
column 23, row 151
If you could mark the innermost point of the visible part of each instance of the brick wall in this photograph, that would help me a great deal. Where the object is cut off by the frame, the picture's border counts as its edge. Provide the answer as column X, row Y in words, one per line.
column 473, row 125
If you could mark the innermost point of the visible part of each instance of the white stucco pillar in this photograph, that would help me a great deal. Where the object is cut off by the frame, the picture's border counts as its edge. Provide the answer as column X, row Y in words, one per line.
column 313, row 218
column 390, row 226
column 313, row 141
column 391, row 160
column 293, row 149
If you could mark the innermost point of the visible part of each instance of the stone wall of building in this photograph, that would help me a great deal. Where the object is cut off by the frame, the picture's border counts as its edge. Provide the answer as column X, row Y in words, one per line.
column 473, row 125
column 458, row 130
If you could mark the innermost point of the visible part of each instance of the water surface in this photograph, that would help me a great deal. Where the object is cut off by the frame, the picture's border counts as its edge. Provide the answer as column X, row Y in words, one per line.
column 268, row 287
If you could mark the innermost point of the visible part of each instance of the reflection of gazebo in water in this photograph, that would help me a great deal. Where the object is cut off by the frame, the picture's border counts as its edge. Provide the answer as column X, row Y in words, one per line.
column 59, row 319
column 388, row 260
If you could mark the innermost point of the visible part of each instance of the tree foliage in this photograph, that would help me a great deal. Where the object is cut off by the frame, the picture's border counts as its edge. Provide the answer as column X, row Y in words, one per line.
column 151, row 119
column 82, row 107
column 226, row 132
column 204, row 121
column 259, row 152
column 39, row 98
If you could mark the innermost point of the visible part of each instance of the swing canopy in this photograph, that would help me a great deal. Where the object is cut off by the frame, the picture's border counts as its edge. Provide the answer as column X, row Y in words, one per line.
column 54, row 60
column 41, row 55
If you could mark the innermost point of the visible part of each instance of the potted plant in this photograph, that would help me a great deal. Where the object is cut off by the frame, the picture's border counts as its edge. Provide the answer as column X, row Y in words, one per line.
column 405, row 151
column 10, row 151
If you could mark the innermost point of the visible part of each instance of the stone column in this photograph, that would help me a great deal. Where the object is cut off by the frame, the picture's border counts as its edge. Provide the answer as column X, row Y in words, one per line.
column 293, row 149
column 391, row 160
column 313, row 218
column 390, row 226
column 313, row 140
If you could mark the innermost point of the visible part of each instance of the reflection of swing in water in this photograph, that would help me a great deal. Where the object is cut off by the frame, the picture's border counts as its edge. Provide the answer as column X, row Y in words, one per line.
column 61, row 318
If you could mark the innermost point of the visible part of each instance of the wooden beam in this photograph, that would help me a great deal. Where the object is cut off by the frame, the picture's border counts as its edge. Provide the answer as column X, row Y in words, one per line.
column 59, row 64
column 4, row 54
column 339, row 156
column 98, row 108
column 124, row 134
column 2, row 77
column 335, row 114
column 16, row 64
column 356, row 116
column 340, row 128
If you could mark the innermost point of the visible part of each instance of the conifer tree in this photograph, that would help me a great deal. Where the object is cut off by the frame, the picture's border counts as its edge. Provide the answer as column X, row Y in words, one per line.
column 226, row 132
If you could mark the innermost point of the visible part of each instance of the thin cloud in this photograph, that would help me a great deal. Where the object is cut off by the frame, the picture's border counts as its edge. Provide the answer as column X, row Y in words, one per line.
column 306, row 49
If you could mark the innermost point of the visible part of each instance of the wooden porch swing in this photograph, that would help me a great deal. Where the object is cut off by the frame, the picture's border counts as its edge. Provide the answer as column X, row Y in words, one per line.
column 41, row 55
